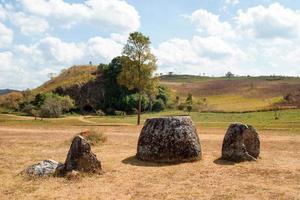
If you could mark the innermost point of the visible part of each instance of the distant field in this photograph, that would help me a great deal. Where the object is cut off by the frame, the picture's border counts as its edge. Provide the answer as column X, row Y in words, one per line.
column 236, row 94
column 289, row 120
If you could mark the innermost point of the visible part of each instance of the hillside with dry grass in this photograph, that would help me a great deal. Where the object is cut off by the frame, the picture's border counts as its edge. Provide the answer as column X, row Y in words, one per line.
column 235, row 94
column 80, row 74
column 218, row 94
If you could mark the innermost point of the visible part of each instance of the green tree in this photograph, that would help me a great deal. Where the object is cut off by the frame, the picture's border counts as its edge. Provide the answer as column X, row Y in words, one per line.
column 189, row 102
column 138, row 66
column 55, row 105
column 229, row 75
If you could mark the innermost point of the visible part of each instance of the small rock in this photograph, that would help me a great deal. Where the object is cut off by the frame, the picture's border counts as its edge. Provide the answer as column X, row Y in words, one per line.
column 169, row 139
column 241, row 143
column 43, row 168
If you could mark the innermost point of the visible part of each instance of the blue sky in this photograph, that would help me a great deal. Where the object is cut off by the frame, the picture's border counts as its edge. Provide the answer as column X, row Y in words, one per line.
column 38, row 37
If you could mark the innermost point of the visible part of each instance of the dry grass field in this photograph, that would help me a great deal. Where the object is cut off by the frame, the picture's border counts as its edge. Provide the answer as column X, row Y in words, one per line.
column 276, row 175
column 238, row 94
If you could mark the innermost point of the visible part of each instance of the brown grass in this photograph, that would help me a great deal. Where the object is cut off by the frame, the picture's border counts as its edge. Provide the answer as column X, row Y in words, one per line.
column 94, row 136
column 235, row 95
column 275, row 176
column 248, row 88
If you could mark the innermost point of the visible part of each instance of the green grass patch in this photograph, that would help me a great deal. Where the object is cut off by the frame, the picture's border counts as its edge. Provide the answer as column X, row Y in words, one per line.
column 289, row 120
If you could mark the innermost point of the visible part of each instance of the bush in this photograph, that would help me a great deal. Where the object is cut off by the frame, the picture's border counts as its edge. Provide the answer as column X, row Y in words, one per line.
column 100, row 113
column 163, row 94
column 158, row 105
column 189, row 108
column 129, row 103
column 55, row 105
column 94, row 137
column 28, row 108
column 181, row 106
column 120, row 113
column 110, row 111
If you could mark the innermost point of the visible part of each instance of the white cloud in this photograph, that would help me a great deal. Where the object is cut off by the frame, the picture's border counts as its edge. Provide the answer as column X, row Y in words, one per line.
column 29, row 25
column 103, row 49
column 33, row 62
column 270, row 22
column 211, row 55
column 15, row 76
column 232, row 2
column 5, row 60
column 111, row 14
column 210, row 24
column 116, row 13
column 6, row 36
column 260, row 40
column 62, row 52
column 2, row 13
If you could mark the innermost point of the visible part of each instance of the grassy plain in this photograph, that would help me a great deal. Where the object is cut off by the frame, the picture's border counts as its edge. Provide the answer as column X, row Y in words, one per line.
column 276, row 175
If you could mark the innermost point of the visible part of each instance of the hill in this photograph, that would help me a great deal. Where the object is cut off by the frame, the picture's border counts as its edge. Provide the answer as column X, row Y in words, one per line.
column 6, row 91
column 80, row 74
column 236, row 94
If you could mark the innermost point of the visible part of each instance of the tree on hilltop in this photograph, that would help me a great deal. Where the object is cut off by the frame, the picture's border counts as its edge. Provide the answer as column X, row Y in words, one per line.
column 139, row 65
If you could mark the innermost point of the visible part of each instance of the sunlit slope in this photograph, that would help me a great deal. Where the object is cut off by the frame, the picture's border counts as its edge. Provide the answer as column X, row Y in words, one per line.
column 74, row 75
column 235, row 94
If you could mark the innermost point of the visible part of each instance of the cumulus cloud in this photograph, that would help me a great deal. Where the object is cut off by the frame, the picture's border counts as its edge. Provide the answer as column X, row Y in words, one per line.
column 15, row 76
column 211, row 55
column 2, row 13
column 62, row 52
column 50, row 54
column 258, row 40
column 274, row 21
column 104, row 49
column 6, row 36
column 29, row 25
column 113, row 14
column 210, row 24
column 232, row 2
column 5, row 60
column 28, row 63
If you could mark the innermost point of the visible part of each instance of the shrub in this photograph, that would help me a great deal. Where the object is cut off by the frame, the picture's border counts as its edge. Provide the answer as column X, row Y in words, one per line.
column 158, row 105
column 129, row 103
column 100, row 113
column 189, row 108
column 181, row 106
column 110, row 111
column 120, row 113
column 94, row 137
column 28, row 108
column 55, row 105
column 163, row 94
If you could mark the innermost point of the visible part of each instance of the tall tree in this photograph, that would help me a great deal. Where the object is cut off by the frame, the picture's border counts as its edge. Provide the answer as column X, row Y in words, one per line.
column 138, row 67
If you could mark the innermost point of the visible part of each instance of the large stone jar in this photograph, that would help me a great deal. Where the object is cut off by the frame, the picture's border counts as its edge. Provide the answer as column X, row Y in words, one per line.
column 169, row 140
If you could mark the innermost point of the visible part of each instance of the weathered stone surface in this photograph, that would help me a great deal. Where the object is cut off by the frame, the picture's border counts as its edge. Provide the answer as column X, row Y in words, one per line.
column 169, row 139
column 241, row 143
column 43, row 168
column 80, row 158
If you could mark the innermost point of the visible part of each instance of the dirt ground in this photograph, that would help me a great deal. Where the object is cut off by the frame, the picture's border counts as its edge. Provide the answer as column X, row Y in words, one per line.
column 275, row 176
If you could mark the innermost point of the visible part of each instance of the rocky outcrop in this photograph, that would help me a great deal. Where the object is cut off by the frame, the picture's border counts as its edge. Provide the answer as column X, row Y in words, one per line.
column 80, row 158
column 169, row 139
column 241, row 143
column 43, row 168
